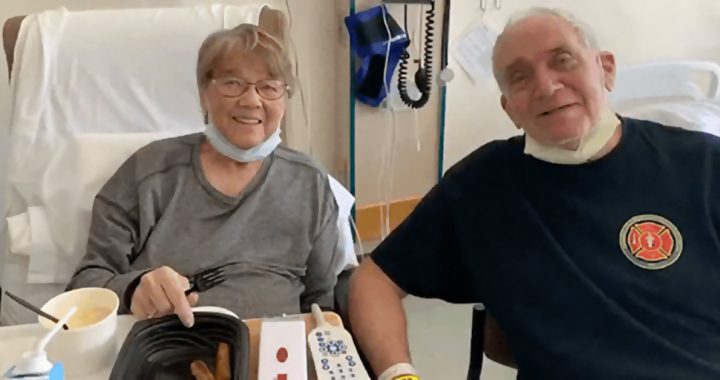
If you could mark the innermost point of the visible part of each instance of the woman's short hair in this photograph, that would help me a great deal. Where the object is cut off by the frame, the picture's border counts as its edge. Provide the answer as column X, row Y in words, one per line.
column 245, row 38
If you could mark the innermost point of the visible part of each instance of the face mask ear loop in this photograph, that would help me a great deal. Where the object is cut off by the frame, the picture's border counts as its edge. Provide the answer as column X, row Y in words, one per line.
column 305, row 107
column 386, row 197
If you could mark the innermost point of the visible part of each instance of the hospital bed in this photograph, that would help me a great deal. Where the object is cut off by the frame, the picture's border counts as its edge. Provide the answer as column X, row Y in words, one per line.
column 683, row 94
column 87, row 91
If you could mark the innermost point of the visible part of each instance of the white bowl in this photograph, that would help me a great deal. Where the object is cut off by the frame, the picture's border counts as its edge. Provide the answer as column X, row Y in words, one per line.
column 89, row 345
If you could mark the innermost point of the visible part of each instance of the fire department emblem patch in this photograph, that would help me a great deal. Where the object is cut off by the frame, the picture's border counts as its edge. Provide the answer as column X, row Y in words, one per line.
column 651, row 242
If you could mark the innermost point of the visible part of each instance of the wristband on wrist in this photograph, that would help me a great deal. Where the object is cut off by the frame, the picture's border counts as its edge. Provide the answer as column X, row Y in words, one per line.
column 400, row 371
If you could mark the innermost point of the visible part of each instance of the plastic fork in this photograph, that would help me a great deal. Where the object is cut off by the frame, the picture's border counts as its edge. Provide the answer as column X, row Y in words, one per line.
column 206, row 280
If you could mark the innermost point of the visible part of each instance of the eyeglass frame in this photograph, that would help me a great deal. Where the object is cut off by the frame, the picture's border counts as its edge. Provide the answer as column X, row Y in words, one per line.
column 285, row 87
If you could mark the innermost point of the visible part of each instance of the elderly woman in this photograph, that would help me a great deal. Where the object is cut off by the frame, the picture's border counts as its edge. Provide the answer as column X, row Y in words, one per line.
column 230, row 198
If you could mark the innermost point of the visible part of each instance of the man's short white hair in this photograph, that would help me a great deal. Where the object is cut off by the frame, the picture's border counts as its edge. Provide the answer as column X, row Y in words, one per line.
column 587, row 37
column 585, row 33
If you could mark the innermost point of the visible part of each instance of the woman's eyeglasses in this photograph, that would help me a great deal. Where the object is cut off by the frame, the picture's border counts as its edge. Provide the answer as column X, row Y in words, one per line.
column 268, row 89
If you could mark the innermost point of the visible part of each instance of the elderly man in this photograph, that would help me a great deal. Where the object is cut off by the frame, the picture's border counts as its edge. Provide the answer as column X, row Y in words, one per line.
column 593, row 239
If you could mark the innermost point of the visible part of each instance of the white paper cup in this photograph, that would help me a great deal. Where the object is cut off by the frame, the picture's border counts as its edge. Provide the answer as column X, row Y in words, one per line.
column 89, row 345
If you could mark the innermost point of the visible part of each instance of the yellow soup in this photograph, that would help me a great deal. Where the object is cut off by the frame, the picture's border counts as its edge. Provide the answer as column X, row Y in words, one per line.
column 86, row 316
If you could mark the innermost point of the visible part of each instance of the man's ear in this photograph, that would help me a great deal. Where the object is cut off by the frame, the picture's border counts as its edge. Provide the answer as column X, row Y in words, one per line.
column 607, row 61
column 504, row 105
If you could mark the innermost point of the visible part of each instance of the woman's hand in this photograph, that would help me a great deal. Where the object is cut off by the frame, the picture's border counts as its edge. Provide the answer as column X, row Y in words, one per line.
column 162, row 292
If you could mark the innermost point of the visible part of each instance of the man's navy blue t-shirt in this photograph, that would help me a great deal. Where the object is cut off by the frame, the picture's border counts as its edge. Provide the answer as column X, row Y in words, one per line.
column 605, row 270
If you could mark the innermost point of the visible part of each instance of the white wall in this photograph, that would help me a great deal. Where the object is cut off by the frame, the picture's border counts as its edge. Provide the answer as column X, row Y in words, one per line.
column 635, row 30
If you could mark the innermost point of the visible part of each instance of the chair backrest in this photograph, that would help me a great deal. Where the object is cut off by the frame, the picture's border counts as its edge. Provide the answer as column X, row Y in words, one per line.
column 487, row 339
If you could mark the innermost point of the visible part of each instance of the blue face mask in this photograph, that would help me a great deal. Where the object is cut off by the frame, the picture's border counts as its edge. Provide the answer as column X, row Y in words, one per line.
column 228, row 149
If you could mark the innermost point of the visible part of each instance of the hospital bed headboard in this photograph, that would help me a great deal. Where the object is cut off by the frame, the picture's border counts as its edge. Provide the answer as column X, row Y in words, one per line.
column 666, row 80
column 271, row 20
column 683, row 94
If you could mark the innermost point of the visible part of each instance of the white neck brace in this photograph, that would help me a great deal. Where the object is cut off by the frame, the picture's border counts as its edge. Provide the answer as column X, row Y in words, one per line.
column 590, row 144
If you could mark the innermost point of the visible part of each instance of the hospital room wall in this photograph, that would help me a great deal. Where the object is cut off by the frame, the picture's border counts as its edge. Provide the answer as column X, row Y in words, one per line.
column 636, row 31
column 394, row 168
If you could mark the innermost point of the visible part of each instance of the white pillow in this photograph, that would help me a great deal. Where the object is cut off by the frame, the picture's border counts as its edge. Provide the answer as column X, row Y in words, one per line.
column 346, row 243
column 68, row 188
column 694, row 115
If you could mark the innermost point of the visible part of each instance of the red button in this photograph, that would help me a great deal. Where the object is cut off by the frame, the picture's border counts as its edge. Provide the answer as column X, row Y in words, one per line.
column 282, row 356
column 282, row 376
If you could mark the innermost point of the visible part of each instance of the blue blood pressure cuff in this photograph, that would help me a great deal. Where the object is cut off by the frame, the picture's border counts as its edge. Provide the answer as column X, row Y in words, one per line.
column 368, row 41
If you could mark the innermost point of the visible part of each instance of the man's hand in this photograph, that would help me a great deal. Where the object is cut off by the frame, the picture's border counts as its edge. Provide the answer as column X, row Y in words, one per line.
column 162, row 292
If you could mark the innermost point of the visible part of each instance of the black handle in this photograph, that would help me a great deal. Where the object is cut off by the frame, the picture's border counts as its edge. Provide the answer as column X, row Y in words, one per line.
column 33, row 308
